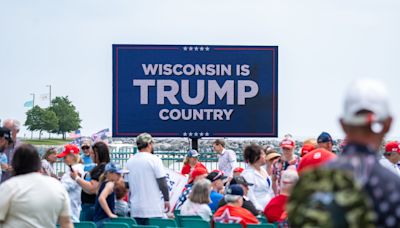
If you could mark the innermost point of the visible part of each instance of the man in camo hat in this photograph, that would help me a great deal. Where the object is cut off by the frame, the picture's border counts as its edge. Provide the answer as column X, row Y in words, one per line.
column 146, row 201
column 353, row 190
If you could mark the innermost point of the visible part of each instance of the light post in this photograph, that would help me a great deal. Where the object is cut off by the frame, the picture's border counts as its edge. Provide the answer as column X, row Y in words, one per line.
column 49, row 94
column 33, row 105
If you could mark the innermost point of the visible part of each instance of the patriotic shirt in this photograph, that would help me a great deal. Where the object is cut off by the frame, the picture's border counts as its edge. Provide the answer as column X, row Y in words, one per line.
column 281, row 166
column 234, row 214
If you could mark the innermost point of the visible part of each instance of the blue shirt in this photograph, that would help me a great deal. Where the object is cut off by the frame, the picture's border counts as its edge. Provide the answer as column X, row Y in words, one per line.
column 3, row 158
column 88, row 163
column 215, row 198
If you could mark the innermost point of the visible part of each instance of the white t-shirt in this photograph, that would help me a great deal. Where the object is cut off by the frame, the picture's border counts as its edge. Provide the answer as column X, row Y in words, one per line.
column 261, row 192
column 32, row 200
column 146, row 198
column 389, row 165
column 227, row 162
column 190, row 208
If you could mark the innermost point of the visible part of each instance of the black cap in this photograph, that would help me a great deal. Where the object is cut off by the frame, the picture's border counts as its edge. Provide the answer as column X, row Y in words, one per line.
column 216, row 175
column 6, row 133
column 239, row 180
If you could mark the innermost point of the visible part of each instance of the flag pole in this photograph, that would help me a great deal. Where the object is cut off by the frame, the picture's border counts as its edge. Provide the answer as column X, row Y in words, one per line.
column 49, row 94
column 33, row 105
column 33, row 100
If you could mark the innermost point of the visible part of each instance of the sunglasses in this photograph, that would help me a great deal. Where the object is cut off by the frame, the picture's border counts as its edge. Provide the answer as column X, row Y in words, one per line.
column 85, row 148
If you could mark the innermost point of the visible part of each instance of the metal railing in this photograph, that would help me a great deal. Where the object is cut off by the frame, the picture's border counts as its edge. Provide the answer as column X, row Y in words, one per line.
column 171, row 159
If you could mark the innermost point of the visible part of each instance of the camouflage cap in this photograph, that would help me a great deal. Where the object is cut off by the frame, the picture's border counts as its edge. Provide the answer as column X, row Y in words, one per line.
column 143, row 139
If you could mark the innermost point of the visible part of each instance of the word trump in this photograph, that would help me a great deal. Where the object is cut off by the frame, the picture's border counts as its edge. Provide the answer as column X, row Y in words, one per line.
column 169, row 89
column 209, row 92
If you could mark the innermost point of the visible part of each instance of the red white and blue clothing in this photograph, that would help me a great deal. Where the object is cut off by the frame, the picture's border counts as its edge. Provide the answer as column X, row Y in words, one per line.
column 280, row 166
column 234, row 214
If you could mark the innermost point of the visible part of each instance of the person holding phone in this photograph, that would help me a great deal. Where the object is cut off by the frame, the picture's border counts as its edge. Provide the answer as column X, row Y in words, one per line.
column 74, row 163
column 90, row 182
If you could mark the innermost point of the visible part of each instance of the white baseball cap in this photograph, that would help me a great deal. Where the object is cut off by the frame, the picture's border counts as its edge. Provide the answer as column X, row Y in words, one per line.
column 369, row 95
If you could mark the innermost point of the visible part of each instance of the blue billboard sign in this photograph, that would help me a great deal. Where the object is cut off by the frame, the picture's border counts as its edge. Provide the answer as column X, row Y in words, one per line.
column 195, row 90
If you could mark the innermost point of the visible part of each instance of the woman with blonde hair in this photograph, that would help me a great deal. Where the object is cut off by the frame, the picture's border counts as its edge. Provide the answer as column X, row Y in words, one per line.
column 74, row 163
column 199, row 198
column 191, row 162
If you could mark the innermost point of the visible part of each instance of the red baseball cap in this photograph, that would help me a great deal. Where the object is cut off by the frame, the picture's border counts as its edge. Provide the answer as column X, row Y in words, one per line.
column 198, row 171
column 238, row 169
column 306, row 149
column 68, row 149
column 315, row 159
column 392, row 147
column 287, row 143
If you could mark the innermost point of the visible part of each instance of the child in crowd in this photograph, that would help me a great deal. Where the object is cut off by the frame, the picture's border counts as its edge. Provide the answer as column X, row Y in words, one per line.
column 104, row 208
column 73, row 161
column 121, row 206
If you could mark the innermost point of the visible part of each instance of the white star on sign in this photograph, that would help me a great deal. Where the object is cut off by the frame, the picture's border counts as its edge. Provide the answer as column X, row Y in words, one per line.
column 227, row 218
column 190, row 134
column 206, row 134
column 207, row 48
column 196, row 48
column 196, row 134
column 185, row 48
column 201, row 49
column 201, row 133
column 190, row 48
column 184, row 134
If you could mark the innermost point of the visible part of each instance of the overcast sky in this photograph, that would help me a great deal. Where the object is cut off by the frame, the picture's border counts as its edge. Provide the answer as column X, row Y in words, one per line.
column 323, row 46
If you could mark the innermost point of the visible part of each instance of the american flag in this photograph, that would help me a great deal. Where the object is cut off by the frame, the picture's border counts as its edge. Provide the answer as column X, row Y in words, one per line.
column 101, row 135
column 75, row 134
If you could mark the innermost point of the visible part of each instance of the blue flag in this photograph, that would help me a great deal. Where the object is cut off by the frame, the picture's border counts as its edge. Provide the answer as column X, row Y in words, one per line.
column 28, row 104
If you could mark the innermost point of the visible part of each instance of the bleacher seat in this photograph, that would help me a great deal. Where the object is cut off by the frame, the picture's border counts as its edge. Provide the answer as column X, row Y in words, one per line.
column 115, row 225
column 179, row 217
column 262, row 219
column 84, row 225
column 194, row 223
column 227, row 225
column 263, row 225
column 162, row 223
column 129, row 221
column 144, row 226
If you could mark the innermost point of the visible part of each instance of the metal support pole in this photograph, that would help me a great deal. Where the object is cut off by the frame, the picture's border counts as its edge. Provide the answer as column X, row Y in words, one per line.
column 195, row 144
column 33, row 105
column 49, row 94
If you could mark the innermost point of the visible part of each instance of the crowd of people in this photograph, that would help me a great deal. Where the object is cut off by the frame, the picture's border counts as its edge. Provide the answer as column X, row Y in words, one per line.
column 317, row 188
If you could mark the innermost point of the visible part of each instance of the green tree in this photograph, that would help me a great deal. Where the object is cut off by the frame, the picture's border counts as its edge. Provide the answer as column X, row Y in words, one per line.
column 39, row 119
column 49, row 121
column 68, row 117
column 34, row 119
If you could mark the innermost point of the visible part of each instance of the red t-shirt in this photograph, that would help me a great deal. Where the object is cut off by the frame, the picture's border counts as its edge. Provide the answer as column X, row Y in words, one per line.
column 275, row 210
column 186, row 169
column 232, row 214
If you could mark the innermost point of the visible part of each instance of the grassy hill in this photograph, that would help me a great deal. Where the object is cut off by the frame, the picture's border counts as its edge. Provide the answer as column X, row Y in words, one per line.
column 47, row 141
